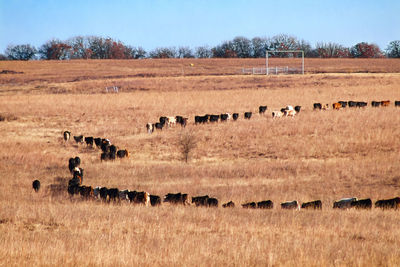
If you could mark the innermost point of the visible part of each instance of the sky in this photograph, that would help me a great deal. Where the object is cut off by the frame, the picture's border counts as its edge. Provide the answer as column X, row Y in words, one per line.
column 161, row 23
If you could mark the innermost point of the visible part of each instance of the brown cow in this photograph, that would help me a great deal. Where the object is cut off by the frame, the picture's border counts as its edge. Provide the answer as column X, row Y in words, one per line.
column 230, row 204
column 336, row 106
column 385, row 103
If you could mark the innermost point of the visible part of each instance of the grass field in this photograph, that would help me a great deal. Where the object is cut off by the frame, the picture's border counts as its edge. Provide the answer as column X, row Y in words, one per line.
column 324, row 155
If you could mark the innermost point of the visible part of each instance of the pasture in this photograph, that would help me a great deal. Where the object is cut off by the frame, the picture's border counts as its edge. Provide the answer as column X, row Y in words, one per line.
column 326, row 155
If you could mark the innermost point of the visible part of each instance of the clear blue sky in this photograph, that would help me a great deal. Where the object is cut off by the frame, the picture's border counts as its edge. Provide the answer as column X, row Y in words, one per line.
column 158, row 23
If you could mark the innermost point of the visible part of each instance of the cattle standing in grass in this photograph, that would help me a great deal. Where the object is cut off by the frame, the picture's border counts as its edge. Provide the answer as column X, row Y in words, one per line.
column 181, row 120
column 150, row 127
column 214, row 118
column 155, row 200
column 200, row 200
column 103, row 193
column 66, row 135
column 235, row 116
column 212, row 202
column 385, row 103
column 262, row 109
column 290, row 205
column 96, row 192
column 36, row 185
column 176, row 198
column 344, row 203
column 352, row 104
column 375, row 104
column 123, row 194
column 343, row 103
column 362, row 204
column 336, row 106
column 317, row 106
column 123, row 153
column 224, row 117
column 393, row 203
column 97, row 142
column 230, row 204
column 266, row 204
column 316, row 205
column 247, row 115
column 361, row 104
column 85, row 191
column 113, row 194
column 158, row 125
column 297, row 109
column 89, row 141
column 78, row 139
column 139, row 197
column 277, row 114
column 73, row 163
column 250, row 205
column 397, row 103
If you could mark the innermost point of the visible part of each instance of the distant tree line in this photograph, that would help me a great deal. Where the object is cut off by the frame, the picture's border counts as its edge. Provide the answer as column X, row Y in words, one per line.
column 94, row 47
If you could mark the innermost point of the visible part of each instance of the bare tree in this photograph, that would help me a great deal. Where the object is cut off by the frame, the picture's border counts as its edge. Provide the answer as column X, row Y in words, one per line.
column 203, row 52
column 393, row 49
column 187, row 142
column 20, row 52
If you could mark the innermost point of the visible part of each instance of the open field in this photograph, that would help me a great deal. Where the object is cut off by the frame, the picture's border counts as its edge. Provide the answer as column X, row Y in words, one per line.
column 323, row 155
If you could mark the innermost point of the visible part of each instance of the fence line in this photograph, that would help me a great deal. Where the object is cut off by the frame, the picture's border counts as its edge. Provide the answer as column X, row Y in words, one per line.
column 271, row 70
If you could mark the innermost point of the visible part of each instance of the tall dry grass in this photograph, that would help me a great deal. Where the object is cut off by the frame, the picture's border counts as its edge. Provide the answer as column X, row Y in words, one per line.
column 317, row 155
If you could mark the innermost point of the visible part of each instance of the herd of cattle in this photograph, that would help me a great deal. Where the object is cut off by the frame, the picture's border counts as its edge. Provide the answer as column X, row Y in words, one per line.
column 288, row 111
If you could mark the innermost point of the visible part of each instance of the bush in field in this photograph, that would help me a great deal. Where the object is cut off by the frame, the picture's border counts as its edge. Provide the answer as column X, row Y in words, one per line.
column 187, row 142
column 365, row 50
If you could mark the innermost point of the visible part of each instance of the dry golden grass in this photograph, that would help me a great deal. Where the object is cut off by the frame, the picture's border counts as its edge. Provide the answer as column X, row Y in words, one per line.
column 317, row 155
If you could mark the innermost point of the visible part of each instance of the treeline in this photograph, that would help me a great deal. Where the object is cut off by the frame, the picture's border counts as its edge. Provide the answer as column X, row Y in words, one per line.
column 94, row 47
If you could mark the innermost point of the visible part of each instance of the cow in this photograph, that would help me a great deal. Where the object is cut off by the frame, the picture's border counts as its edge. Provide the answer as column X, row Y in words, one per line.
column 336, row 106
column 290, row 205
column 73, row 163
column 214, row 118
column 344, row 203
column 266, row 204
column 362, row 204
column 36, row 185
column 262, row 109
column 235, row 116
column 343, row 103
column 200, row 200
column 393, row 203
column 123, row 194
column 277, row 114
column 212, row 202
column 89, row 141
column 150, row 127
column 113, row 149
column 105, row 146
column 397, row 103
column 361, row 104
column 224, row 117
column 113, row 194
column 97, row 142
column 247, row 115
column 177, row 198
column 250, row 205
column 229, row 204
column 316, row 205
column 352, row 104
column 66, row 135
column 78, row 174
column 159, row 125
column 103, row 193
column 96, row 192
column 73, row 186
column 78, row 139
column 325, row 107
column 171, row 121
column 385, row 103
column 181, row 120
column 163, row 120
column 297, row 109
column 201, row 119
column 289, row 112
column 155, row 200
column 123, row 153
column 139, row 197
column 317, row 106
column 376, row 104
column 86, row 192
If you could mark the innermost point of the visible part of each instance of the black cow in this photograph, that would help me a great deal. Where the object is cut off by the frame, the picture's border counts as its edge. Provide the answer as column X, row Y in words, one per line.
column 250, row 205
column 247, row 115
column 86, row 191
column 113, row 194
column 376, row 103
column 36, row 185
column 201, row 119
column 297, row 109
column 214, row 118
column 163, row 120
column 155, row 200
column 224, row 116
column 122, row 153
column 361, row 104
column 89, row 141
column 67, row 135
column 362, row 204
column 262, row 109
column 343, row 103
column 200, row 200
column 230, row 204
column 73, row 163
column 97, row 141
column 316, row 205
column 352, row 104
column 177, row 198
column 103, row 193
column 235, row 116
column 159, row 125
column 317, row 106
column 266, row 204
column 212, row 202
column 78, row 139
column 181, row 120
column 393, row 203
column 397, row 103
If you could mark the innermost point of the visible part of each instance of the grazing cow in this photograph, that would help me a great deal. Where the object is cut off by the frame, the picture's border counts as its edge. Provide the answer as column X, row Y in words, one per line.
column 316, row 205
column 78, row 139
column 376, row 103
column 139, row 197
column 297, row 109
column 397, row 103
column 235, row 116
column 200, row 200
column 96, row 192
column 247, row 115
column 214, row 118
column 97, row 141
column 201, row 119
column 155, row 200
column 171, row 121
column 250, row 205
column 393, row 203
column 362, row 204
column 352, row 104
column 181, row 120
column 212, row 202
column 277, row 114
column 103, row 193
column 150, row 127
column 105, row 146
column 163, row 120
column 343, row 103
column 224, row 117
column 36, row 185
column 73, row 163
column 113, row 149
column 177, row 198
column 290, row 205
column 229, row 204
column 113, row 194
column 123, row 194
column 67, row 135
column 262, row 109
column 317, row 106
column 85, row 191
column 289, row 112
column 123, row 153
column 266, row 204
column 89, row 141
column 385, row 103
column 361, row 104
column 344, row 203
column 336, row 106
column 158, row 125
column 73, row 186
